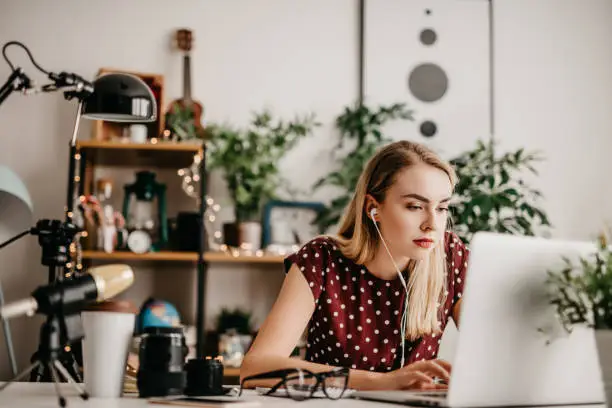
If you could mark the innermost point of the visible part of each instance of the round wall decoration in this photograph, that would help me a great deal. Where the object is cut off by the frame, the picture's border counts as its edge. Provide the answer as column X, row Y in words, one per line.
column 428, row 128
column 428, row 36
column 428, row 82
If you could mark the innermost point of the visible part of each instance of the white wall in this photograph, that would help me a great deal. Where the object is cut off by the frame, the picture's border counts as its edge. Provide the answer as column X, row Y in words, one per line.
column 553, row 84
column 553, row 78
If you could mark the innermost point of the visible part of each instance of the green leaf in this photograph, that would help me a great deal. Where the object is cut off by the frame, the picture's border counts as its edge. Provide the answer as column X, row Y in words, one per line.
column 510, row 192
column 491, row 181
column 505, row 177
column 542, row 216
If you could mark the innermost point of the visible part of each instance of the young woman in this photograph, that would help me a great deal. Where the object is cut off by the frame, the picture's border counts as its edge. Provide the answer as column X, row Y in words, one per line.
column 347, row 291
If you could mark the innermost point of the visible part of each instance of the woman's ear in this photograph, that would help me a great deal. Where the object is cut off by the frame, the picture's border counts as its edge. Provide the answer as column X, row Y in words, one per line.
column 370, row 204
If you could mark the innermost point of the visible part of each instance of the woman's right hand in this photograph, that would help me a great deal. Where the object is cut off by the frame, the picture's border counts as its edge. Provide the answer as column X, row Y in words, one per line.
column 418, row 376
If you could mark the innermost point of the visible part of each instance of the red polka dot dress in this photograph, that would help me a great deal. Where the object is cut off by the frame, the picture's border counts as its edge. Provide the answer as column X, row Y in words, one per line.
column 356, row 322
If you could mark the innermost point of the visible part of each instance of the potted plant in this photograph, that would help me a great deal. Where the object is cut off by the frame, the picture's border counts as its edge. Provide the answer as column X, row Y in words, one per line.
column 361, row 127
column 492, row 195
column 249, row 161
column 582, row 295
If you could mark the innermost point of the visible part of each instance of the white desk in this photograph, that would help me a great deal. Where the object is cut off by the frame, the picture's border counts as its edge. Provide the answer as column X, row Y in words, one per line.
column 42, row 395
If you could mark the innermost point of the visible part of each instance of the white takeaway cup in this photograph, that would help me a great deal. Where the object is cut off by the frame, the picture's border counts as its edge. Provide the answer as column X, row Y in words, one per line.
column 109, row 328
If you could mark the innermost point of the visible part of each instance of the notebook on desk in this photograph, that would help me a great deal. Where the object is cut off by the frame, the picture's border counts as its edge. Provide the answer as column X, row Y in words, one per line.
column 204, row 402
column 502, row 357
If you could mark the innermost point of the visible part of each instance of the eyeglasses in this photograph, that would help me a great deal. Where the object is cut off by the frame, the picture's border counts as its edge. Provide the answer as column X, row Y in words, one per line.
column 301, row 384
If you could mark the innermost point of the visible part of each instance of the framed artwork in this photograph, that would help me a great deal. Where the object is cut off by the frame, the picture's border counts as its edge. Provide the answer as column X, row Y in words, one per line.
column 436, row 59
column 289, row 222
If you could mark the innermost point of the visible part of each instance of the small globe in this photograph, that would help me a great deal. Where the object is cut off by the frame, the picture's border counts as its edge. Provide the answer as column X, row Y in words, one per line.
column 159, row 313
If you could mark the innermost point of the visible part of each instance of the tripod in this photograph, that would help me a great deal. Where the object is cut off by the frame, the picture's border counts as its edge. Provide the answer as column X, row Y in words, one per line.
column 53, row 332
column 54, row 237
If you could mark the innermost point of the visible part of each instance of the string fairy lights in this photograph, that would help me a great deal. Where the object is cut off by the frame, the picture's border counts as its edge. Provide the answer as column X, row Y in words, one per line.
column 190, row 178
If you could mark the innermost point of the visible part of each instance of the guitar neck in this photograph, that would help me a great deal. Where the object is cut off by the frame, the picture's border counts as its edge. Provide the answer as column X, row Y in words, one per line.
column 187, row 77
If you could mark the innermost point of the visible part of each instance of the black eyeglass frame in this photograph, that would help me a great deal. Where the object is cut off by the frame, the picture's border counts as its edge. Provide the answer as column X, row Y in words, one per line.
column 290, row 374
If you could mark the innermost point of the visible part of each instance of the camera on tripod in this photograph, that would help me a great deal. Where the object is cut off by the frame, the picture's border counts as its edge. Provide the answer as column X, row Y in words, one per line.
column 55, row 237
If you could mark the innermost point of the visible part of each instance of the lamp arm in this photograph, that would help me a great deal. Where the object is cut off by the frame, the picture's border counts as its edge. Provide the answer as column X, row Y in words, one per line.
column 17, row 81
column 72, row 165
column 15, row 238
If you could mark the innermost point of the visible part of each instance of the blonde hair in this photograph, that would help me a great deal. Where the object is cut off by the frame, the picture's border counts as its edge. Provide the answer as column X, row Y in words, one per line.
column 358, row 239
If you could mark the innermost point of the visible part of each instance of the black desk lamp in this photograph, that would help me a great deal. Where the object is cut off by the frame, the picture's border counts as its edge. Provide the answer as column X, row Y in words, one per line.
column 114, row 97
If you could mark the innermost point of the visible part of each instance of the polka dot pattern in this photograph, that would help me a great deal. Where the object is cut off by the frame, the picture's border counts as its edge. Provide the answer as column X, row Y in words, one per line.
column 356, row 322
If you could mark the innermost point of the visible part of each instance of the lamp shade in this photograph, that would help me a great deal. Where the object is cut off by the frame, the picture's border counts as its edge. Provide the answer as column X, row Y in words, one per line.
column 15, row 204
column 120, row 97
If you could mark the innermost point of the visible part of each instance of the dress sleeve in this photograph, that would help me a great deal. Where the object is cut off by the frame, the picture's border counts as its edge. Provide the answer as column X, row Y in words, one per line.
column 459, row 254
column 311, row 260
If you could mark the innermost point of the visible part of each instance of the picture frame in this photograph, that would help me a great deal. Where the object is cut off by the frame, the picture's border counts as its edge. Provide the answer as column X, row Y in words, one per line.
column 296, row 214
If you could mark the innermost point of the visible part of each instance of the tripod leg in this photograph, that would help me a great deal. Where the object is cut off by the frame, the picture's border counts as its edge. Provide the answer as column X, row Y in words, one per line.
column 21, row 375
column 62, row 400
column 71, row 380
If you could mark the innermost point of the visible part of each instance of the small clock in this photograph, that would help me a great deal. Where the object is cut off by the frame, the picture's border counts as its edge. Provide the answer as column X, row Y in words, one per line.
column 139, row 242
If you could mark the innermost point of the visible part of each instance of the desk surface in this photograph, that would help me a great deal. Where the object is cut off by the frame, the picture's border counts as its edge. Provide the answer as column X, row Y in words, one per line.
column 42, row 395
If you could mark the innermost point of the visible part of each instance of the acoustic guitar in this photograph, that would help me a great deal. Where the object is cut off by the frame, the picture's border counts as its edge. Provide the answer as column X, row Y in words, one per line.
column 184, row 116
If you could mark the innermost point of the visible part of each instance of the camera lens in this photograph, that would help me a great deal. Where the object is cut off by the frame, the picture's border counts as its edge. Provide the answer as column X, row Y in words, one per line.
column 204, row 377
column 162, row 356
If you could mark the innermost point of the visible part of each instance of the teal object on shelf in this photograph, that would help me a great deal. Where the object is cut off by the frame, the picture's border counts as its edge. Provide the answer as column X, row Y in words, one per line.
column 145, row 190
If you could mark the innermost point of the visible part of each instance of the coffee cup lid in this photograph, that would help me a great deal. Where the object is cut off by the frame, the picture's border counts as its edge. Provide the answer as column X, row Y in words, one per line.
column 118, row 306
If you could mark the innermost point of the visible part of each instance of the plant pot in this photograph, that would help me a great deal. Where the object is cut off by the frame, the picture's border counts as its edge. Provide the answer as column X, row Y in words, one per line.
column 603, row 339
column 249, row 235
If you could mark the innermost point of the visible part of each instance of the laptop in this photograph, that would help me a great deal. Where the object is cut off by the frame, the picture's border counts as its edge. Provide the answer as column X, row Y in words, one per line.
column 511, row 350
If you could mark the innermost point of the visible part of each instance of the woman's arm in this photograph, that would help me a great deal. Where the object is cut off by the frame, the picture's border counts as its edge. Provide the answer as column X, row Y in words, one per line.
column 281, row 331
column 459, row 256
column 282, row 328
column 457, row 312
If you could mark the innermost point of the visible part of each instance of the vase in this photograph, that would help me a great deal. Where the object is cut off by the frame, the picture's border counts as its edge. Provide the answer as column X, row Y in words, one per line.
column 249, row 235
column 603, row 340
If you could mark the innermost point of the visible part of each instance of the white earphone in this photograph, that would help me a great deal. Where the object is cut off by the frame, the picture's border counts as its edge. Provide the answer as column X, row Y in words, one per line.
column 404, row 321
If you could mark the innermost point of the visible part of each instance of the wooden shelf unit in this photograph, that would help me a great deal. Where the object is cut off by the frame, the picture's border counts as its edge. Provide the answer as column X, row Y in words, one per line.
column 99, row 151
column 217, row 257
column 105, row 148
column 160, row 154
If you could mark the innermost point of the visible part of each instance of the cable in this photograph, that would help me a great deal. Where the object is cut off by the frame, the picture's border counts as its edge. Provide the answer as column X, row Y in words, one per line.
column 27, row 51
column 404, row 321
column 8, row 338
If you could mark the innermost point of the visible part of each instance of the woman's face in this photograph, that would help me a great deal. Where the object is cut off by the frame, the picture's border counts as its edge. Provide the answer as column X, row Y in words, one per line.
column 414, row 214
